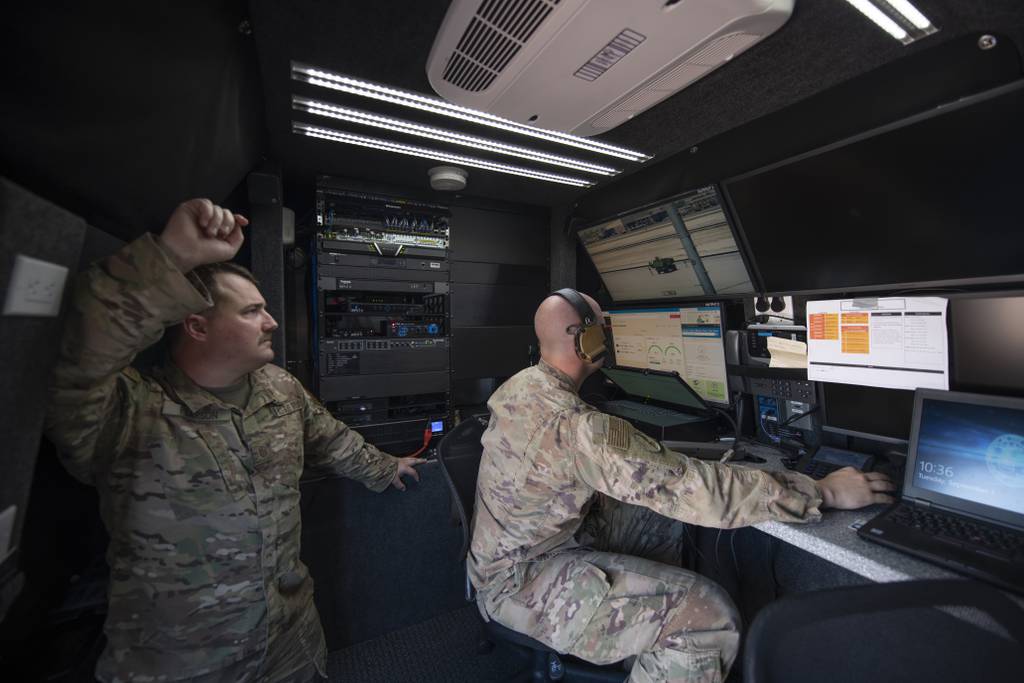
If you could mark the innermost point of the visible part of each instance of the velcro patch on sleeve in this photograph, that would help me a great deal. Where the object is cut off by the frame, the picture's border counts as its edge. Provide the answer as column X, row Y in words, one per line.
column 619, row 433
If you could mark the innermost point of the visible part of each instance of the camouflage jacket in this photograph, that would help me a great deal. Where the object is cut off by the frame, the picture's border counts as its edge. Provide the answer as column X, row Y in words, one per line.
column 201, row 499
column 546, row 453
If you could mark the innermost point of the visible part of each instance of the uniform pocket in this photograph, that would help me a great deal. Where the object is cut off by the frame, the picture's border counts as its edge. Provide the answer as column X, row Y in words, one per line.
column 701, row 666
column 559, row 598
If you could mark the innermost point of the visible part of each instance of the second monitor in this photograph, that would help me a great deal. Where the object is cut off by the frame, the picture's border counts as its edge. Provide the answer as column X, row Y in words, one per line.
column 683, row 339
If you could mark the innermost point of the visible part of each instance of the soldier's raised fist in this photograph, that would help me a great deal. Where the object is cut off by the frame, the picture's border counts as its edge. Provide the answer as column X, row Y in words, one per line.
column 200, row 232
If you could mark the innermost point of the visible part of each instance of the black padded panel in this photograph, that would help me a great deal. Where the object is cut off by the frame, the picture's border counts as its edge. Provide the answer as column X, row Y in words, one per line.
column 498, row 237
column 34, row 227
column 491, row 351
column 381, row 561
column 473, row 305
column 498, row 273
column 121, row 112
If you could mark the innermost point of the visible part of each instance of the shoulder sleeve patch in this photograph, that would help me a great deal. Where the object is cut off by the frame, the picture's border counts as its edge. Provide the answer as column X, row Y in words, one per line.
column 619, row 433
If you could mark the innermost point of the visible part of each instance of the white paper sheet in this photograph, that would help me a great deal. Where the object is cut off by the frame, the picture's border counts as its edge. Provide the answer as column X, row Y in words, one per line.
column 892, row 342
column 787, row 353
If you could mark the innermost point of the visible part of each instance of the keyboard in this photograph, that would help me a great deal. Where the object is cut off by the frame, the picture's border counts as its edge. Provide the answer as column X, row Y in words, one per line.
column 819, row 470
column 961, row 531
column 643, row 409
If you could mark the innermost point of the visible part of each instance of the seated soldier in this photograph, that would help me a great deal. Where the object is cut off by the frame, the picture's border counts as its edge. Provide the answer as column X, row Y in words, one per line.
column 546, row 456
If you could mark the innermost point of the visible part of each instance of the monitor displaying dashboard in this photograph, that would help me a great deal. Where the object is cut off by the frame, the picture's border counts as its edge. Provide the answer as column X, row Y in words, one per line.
column 682, row 339
column 930, row 199
column 681, row 248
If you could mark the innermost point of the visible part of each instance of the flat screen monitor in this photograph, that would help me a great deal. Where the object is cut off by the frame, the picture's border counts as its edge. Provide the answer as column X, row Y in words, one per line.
column 681, row 248
column 987, row 339
column 867, row 412
column 933, row 199
column 682, row 339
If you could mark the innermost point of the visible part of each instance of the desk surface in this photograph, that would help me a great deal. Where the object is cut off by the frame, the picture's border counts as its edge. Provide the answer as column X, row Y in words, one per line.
column 835, row 538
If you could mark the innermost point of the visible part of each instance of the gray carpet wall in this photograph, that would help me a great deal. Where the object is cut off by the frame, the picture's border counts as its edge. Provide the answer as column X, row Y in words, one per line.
column 380, row 561
column 34, row 227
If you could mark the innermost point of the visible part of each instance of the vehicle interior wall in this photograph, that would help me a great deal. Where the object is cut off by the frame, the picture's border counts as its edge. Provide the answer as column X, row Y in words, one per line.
column 117, row 115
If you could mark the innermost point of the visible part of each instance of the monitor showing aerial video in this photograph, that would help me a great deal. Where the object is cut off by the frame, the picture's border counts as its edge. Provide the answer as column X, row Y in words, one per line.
column 681, row 248
column 686, row 340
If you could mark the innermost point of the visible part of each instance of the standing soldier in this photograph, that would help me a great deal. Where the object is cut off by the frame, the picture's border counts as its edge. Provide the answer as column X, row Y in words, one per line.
column 198, row 465
column 546, row 455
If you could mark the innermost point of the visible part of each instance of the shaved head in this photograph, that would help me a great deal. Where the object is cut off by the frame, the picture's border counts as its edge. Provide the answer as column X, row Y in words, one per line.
column 553, row 317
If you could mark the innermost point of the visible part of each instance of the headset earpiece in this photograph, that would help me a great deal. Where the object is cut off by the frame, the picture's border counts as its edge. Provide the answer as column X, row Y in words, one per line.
column 778, row 304
column 588, row 337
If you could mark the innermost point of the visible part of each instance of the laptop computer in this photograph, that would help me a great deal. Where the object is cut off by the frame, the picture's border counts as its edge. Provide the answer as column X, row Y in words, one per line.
column 962, row 504
column 657, row 401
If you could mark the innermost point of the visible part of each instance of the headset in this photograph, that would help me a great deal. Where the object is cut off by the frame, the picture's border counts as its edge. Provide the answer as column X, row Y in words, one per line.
column 588, row 337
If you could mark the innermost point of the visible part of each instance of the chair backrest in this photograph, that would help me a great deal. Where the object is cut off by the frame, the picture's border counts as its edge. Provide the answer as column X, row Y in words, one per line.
column 459, row 454
column 935, row 631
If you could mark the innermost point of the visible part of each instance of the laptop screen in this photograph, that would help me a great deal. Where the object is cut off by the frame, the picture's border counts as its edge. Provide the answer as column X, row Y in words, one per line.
column 665, row 388
column 973, row 451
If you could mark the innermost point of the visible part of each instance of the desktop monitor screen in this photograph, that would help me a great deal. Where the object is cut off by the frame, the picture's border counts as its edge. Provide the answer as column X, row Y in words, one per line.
column 987, row 335
column 931, row 199
column 682, row 248
column 867, row 412
column 682, row 339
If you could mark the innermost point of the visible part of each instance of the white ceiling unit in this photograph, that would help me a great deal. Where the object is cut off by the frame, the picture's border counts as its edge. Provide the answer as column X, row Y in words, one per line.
column 585, row 66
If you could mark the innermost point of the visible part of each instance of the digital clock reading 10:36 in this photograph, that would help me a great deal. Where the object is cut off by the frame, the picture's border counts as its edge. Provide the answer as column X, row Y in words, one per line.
column 932, row 468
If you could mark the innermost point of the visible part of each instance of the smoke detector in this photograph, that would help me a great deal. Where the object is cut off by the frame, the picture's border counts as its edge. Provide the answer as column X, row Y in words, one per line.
column 448, row 178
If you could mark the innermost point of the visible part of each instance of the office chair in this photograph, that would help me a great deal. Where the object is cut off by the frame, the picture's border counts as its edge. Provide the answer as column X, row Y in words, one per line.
column 459, row 455
column 935, row 631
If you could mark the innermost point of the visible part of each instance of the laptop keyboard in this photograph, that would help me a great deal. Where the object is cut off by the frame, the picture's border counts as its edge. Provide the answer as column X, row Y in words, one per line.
column 961, row 531
column 642, row 409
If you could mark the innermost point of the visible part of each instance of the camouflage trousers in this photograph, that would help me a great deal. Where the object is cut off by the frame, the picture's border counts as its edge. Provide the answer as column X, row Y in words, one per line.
column 605, row 607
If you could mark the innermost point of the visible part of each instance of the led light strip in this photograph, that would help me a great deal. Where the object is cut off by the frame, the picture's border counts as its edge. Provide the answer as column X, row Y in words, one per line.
column 889, row 14
column 326, row 79
column 441, row 135
column 410, row 150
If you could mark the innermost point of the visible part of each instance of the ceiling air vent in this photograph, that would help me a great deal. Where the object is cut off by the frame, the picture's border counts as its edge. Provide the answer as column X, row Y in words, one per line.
column 496, row 32
column 585, row 66
column 675, row 78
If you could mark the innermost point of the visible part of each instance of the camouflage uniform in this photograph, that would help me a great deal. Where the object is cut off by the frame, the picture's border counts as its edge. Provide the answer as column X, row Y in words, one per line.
column 546, row 453
column 201, row 498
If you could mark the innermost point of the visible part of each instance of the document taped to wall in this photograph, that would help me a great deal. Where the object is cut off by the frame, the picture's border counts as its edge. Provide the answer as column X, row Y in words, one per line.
column 893, row 342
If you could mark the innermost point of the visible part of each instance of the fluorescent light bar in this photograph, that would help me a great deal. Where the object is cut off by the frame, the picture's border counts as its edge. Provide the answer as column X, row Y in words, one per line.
column 437, row 155
column 876, row 15
column 912, row 14
column 398, row 125
column 435, row 105
column 899, row 18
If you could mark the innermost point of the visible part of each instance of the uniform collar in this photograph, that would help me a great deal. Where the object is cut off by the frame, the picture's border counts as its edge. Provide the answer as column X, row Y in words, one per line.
column 564, row 381
column 196, row 399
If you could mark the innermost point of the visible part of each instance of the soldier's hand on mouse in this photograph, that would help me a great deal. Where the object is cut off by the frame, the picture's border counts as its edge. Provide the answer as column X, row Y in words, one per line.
column 406, row 466
column 849, row 489
column 200, row 232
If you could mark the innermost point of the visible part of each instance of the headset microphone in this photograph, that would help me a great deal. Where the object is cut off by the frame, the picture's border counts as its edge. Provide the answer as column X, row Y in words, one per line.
column 588, row 337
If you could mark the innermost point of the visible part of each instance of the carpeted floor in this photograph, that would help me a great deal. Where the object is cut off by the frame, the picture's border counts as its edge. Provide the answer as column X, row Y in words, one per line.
column 440, row 650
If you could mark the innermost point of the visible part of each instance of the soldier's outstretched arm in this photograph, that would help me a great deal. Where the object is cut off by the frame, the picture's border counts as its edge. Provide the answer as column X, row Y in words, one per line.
column 615, row 458
column 119, row 306
column 333, row 449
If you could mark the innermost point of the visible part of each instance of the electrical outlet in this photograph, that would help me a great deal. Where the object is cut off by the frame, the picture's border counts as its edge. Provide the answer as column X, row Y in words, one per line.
column 36, row 287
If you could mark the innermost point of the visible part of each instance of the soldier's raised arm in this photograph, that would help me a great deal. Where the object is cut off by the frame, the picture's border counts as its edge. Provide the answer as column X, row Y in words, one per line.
column 615, row 458
column 120, row 306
